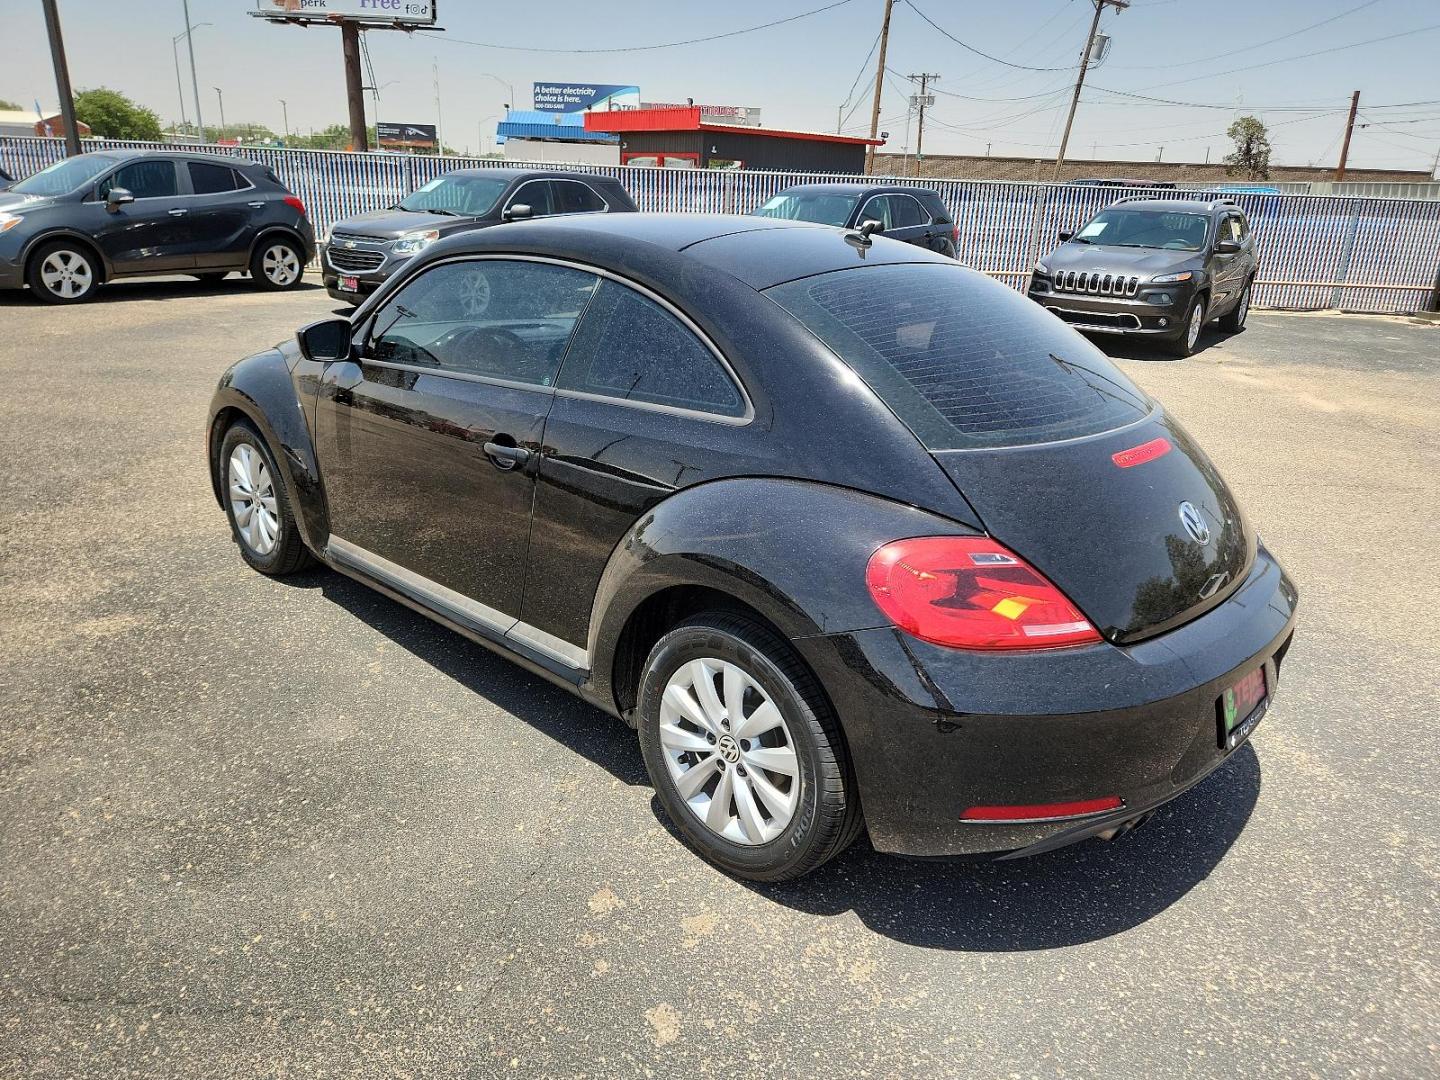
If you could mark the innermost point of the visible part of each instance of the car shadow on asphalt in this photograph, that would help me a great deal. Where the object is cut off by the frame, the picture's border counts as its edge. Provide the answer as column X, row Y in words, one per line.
column 1147, row 350
column 1081, row 893
column 146, row 289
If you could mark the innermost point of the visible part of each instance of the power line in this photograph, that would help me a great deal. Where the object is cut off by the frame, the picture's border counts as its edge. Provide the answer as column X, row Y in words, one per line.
column 641, row 48
column 971, row 48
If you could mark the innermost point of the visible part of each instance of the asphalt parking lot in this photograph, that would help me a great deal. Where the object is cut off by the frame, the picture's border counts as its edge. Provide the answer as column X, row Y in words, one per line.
column 259, row 828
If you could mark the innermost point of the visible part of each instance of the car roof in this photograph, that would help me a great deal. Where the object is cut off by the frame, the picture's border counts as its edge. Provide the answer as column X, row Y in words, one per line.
column 841, row 188
column 497, row 173
column 759, row 251
column 121, row 153
column 1187, row 206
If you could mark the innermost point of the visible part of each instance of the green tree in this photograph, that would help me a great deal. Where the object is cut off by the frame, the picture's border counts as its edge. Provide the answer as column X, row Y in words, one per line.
column 112, row 115
column 1251, row 159
column 8, row 106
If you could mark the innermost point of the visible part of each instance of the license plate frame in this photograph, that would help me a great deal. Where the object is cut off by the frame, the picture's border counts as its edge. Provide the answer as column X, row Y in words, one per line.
column 350, row 284
column 1241, row 707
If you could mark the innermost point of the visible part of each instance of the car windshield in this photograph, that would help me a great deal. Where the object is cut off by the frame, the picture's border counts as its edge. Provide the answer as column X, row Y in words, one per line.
column 1147, row 229
column 823, row 208
column 966, row 362
column 469, row 196
column 65, row 176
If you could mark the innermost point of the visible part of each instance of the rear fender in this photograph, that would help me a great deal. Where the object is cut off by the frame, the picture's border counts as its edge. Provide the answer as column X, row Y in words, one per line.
column 263, row 390
column 794, row 551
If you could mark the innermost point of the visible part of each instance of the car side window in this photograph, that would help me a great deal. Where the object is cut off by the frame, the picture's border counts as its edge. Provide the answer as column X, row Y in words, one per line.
column 208, row 179
column 906, row 212
column 1242, row 227
column 630, row 347
column 573, row 197
column 496, row 318
column 143, row 179
column 1230, row 228
column 534, row 194
column 877, row 209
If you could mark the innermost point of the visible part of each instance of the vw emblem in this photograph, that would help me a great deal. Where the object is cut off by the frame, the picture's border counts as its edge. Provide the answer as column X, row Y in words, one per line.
column 1194, row 523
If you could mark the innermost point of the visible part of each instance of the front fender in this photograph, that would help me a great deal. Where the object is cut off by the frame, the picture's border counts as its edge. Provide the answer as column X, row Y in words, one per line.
column 793, row 550
column 265, row 391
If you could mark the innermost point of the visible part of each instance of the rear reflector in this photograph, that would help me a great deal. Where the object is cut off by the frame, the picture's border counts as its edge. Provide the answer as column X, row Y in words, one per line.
column 1043, row 811
column 969, row 592
column 292, row 201
column 1138, row 455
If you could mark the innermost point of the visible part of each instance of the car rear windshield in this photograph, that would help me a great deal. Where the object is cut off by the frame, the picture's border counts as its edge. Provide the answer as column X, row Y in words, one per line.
column 65, row 176
column 823, row 208
column 966, row 362
column 469, row 196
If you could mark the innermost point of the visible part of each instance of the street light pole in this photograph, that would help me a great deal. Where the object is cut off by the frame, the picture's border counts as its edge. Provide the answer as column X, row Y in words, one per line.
column 175, row 52
column 194, row 79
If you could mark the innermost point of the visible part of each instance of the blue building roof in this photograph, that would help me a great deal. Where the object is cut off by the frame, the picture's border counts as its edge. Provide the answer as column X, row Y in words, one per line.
column 533, row 124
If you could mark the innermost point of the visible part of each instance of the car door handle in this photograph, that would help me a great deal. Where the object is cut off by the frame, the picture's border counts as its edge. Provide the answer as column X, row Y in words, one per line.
column 256, row 205
column 505, row 457
column 178, row 213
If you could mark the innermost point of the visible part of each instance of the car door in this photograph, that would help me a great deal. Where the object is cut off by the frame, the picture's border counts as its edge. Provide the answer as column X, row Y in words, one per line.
column 912, row 223
column 427, row 437
column 645, row 405
column 1228, row 269
column 225, row 211
column 153, row 233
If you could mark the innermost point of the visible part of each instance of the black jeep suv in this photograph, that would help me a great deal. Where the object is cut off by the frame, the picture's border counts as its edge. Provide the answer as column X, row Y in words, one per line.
column 362, row 252
column 126, row 213
column 1158, row 267
column 914, row 215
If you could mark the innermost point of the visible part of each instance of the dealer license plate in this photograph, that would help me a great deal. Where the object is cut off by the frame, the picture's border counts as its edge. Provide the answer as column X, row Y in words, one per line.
column 1241, row 707
column 350, row 284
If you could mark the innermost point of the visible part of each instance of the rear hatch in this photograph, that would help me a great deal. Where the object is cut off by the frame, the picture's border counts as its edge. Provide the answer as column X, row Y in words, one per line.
column 1066, row 461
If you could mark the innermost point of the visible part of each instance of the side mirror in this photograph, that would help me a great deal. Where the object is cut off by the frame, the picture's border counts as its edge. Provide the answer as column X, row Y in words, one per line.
column 117, row 197
column 328, row 339
column 1064, row 236
column 1227, row 247
column 518, row 212
column 871, row 227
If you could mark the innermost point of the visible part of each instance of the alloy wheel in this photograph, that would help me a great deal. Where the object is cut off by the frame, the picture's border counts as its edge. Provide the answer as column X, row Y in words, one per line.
column 729, row 751
column 1244, row 305
column 67, row 274
column 1197, row 322
column 280, row 264
column 252, row 500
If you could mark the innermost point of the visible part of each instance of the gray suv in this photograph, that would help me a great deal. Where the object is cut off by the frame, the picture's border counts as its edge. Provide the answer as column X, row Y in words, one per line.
column 362, row 252
column 96, row 217
column 1162, row 268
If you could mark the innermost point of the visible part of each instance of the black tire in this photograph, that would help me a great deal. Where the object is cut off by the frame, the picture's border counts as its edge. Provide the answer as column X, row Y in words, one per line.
column 1181, row 344
column 80, row 270
column 288, row 552
column 262, row 271
column 1233, row 321
column 827, row 815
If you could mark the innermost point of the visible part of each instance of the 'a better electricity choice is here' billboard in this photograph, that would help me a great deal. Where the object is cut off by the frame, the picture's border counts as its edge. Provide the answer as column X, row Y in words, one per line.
column 583, row 97
column 410, row 12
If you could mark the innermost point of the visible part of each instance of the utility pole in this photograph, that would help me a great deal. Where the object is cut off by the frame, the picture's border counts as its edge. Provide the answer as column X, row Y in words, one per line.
column 285, row 112
column 220, row 97
column 354, row 85
column 194, row 79
column 923, row 100
column 879, row 86
column 1100, row 5
column 179, row 86
column 1349, row 131
column 62, row 78
column 1435, row 165
column 439, row 118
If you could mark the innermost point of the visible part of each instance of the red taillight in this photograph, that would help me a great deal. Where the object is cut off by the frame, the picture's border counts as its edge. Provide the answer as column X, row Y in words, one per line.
column 957, row 237
column 292, row 201
column 969, row 592
column 1138, row 455
column 1043, row 811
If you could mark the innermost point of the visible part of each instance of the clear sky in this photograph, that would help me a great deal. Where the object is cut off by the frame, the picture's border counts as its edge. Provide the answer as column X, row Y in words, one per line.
column 1200, row 52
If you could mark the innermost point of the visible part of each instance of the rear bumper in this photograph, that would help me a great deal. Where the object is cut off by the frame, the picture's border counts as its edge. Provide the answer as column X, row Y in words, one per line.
column 935, row 731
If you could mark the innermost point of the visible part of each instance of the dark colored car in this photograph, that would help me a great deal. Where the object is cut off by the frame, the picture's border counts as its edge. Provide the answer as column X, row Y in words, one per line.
column 853, row 536
column 113, row 214
column 1112, row 181
column 914, row 215
column 362, row 252
column 1156, row 267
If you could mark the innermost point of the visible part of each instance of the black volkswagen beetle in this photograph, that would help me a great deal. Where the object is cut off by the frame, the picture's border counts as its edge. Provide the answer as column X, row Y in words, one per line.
column 856, row 538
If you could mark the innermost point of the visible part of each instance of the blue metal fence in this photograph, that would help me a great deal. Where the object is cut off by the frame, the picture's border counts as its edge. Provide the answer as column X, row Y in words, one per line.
column 1357, row 254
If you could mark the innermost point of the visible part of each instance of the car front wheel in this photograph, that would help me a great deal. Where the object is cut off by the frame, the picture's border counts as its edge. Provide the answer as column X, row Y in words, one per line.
column 63, row 273
column 745, row 755
column 257, row 505
column 1185, row 343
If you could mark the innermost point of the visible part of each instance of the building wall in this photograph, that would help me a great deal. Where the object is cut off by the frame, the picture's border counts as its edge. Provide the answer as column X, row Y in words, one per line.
column 547, row 150
column 778, row 152
column 965, row 167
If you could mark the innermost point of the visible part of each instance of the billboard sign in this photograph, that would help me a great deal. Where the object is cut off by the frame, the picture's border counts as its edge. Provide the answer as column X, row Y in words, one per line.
column 407, row 137
column 407, row 12
column 583, row 97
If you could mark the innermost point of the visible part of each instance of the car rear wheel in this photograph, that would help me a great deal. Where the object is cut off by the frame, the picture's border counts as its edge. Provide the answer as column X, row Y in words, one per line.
column 744, row 753
column 63, row 273
column 1185, row 343
column 277, row 264
column 1234, row 320
column 257, row 505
